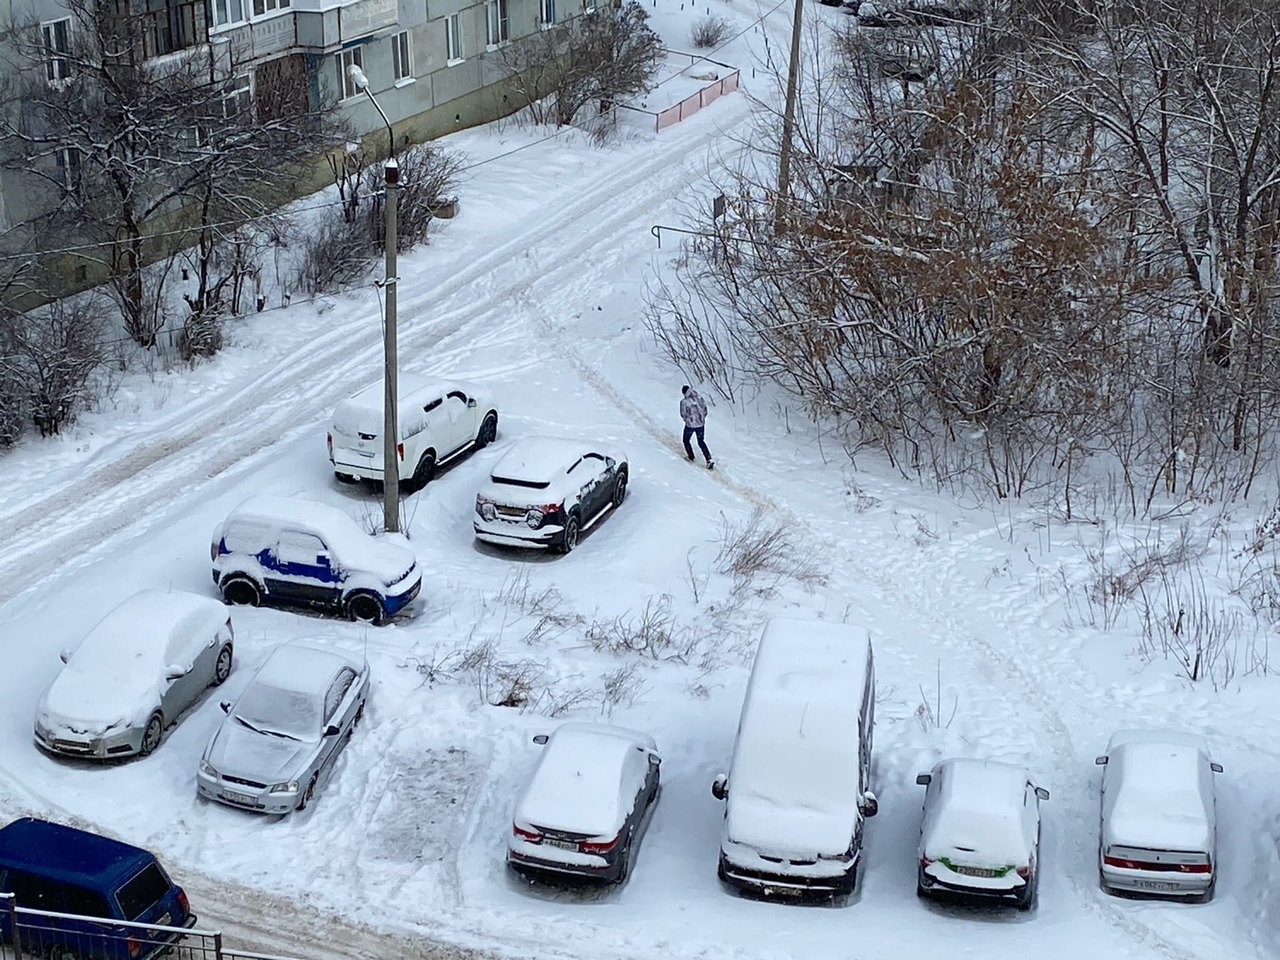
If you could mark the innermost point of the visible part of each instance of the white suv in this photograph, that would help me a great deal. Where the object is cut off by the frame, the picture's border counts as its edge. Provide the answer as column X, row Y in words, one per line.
column 439, row 421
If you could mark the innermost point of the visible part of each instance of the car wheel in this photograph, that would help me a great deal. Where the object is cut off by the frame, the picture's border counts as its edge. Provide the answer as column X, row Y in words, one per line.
column 570, row 534
column 151, row 735
column 620, row 490
column 488, row 431
column 365, row 608
column 308, row 794
column 426, row 470
column 222, row 669
column 242, row 591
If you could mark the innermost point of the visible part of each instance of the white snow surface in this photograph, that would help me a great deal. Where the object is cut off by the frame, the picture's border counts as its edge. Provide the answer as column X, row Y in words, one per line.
column 537, row 291
column 793, row 785
column 978, row 817
column 1159, row 792
column 116, row 672
column 586, row 779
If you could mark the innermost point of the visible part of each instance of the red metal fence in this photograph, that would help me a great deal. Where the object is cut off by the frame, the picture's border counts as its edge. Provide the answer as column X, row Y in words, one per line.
column 692, row 104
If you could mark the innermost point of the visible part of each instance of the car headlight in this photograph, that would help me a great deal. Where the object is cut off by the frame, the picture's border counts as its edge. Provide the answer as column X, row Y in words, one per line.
column 41, row 730
column 488, row 511
column 533, row 518
column 290, row 787
column 207, row 769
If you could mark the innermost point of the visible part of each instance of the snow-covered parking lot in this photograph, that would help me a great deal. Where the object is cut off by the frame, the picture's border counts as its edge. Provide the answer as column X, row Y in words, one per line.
column 536, row 291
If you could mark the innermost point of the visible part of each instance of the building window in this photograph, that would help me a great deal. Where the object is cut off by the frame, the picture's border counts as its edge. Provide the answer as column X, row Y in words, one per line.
column 262, row 7
column 346, row 60
column 498, row 29
column 168, row 26
column 56, row 36
column 548, row 12
column 453, row 38
column 402, row 55
column 238, row 98
column 69, row 168
column 228, row 11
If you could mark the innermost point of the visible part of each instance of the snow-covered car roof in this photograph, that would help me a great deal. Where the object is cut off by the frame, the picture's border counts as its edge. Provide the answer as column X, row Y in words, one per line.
column 305, row 666
column 1159, row 793
column 978, row 810
column 580, row 784
column 364, row 409
column 794, row 776
column 543, row 460
column 352, row 545
column 118, row 666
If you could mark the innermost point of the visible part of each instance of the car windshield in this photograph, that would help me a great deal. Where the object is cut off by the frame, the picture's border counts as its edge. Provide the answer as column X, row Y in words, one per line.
column 282, row 713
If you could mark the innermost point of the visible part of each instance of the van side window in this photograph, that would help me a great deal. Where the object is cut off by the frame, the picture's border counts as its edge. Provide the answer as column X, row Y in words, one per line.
column 36, row 893
column 142, row 891
column 457, row 395
column 298, row 548
column 84, row 902
column 427, row 408
column 246, row 537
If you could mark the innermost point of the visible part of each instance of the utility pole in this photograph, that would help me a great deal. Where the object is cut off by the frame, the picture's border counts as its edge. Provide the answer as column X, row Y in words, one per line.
column 788, row 122
column 391, row 392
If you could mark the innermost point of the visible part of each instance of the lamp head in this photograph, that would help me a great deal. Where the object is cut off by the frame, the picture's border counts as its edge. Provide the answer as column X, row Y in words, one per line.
column 358, row 78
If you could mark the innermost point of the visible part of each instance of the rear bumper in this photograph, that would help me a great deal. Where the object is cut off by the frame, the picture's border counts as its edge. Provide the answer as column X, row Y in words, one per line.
column 523, row 863
column 949, row 890
column 1156, row 883
column 788, row 886
column 506, row 534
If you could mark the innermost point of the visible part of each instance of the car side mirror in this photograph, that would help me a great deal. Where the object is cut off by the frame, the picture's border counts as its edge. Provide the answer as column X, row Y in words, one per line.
column 226, row 706
column 869, row 806
column 654, row 760
column 471, row 402
column 720, row 786
column 332, row 730
column 64, row 655
column 1215, row 767
column 924, row 779
column 1042, row 793
column 1101, row 761
column 175, row 672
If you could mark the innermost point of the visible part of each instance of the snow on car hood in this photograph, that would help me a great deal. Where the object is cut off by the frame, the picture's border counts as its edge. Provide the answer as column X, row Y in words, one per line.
column 793, row 832
column 255, row 756
column 89, row 703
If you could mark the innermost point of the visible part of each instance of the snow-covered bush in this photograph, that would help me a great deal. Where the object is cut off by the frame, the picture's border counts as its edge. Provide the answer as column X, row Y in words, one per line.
column 710, row 31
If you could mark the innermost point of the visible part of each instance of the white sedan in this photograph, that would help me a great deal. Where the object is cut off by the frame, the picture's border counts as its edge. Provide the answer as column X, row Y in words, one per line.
column 980, row 837
column 1158, row 832
column 286, row 730
column 585, row 806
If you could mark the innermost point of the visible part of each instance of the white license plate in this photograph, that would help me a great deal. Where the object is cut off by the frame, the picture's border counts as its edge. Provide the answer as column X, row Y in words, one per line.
column 239, row 797
column 1157, row 885
column 560, row 844
column 977, row 871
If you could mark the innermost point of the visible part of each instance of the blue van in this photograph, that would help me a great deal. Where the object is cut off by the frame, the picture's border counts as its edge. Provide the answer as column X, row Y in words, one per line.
column 56, row 869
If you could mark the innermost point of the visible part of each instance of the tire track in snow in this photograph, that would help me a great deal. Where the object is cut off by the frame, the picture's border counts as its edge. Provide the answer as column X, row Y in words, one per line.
column 115, row 495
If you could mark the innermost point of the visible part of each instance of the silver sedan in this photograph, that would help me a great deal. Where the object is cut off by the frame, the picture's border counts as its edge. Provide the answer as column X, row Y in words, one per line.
column 285, row 731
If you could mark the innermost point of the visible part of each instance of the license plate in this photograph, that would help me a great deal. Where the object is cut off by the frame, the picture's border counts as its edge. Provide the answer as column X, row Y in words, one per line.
column 511, row 512
column 561, row 844
column 1157, row 885
column 243, row 798
column 976, row 871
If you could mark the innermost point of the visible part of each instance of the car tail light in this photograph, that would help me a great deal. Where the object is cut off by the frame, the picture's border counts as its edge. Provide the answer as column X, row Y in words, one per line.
column 530, row 836
column 1024, row 873
column 1120, row 863
column 400, row 450
column 183, row 903
column 135, row 947
column 213, row 551
column 598, row 846
column 328, row 439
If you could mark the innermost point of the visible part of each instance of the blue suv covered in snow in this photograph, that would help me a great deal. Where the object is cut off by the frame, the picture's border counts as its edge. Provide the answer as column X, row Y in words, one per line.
column 103, row 889
column 285, row 551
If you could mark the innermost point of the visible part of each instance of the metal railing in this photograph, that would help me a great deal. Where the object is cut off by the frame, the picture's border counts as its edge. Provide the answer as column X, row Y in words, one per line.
column 29, row 934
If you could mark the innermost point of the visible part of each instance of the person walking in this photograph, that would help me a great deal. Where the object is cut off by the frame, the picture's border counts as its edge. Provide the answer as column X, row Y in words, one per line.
column 693, row 411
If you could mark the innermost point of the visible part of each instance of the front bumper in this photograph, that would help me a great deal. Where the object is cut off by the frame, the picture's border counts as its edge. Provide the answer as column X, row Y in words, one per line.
column 245, row 796
column 789, row 886
column 395, row 603
column 126, row 743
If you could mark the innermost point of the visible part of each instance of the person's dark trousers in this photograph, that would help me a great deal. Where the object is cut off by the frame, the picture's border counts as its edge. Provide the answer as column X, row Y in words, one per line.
column 702, row 443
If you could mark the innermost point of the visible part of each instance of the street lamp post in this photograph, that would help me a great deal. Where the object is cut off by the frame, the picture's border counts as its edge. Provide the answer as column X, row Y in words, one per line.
column 390, row 397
